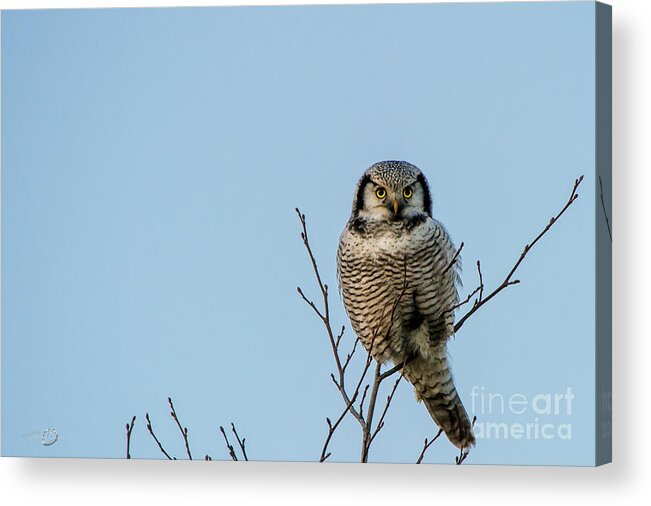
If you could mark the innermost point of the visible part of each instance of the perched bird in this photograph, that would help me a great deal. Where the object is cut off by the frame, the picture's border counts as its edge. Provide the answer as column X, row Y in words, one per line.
column 398, row 277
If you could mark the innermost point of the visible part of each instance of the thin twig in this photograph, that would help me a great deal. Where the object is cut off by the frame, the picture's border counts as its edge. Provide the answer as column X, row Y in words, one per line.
column 361, row 403
column 396, row 368
column 466, row 300
column 129, row 429
column 350, row 355
column 380, row 423
column 231, row 450
column 366, row 433
column 508, row 281
column 331, row 430
column 240, row 441
column 325, row 318
column 481, row 281
column 160, row 446
column 341, row 334
column 312, row 305
column 426, row 446
column 184, row 430
column 333, row 427
column 603, row 206
column 454, row 260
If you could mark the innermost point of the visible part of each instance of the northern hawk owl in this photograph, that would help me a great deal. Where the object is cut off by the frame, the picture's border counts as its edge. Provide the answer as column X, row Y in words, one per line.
column 398, row 278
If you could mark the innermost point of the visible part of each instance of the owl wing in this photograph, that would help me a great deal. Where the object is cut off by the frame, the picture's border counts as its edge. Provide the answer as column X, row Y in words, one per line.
column 436, row 292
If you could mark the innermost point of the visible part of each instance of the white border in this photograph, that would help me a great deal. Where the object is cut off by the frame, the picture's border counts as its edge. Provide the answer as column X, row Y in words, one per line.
column 75, row 481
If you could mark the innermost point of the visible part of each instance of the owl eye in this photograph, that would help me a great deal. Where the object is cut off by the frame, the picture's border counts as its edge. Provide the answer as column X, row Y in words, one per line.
column 380, row 193
column 407, row 193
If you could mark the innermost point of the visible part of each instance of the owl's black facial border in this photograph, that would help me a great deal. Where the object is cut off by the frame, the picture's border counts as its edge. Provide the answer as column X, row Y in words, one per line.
column 427, row 198
column 359, row 198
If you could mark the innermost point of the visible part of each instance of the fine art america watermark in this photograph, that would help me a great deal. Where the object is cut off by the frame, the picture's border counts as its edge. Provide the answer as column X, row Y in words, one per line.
column 522, row 416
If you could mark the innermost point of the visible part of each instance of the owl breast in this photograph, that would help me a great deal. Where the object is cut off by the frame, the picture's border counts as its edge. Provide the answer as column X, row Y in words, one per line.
column 394, row 287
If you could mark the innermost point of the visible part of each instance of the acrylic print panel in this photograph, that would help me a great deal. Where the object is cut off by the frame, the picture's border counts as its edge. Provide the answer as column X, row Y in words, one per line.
column 152, row 161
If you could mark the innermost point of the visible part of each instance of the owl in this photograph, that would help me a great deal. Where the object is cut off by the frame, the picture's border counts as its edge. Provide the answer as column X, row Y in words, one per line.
column 398, row 277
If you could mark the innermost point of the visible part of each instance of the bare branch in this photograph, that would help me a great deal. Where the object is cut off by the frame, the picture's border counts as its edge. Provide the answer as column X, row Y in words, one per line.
column 129, row 429
column 396, row 368
column 231, row 449
column 426, row 446
column 184, row 430
column 366, row 430
column 310, row 303
column 324, row 315
column 454, row 260
column 603, row 206
column 350, row 355
column 481, row 281
column 361, row 403
column 349, row 407
column 341, row 334
column 466, row 300
column 160, row 446
column 240, row 442
column 508, row 280
column 380, row 423
column 332, row 428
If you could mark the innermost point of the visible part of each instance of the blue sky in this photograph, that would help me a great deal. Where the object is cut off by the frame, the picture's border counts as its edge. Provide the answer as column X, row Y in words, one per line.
column 151, row 163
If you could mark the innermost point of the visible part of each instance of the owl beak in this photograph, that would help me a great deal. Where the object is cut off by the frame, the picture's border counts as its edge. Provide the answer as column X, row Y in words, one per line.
column 396, row 206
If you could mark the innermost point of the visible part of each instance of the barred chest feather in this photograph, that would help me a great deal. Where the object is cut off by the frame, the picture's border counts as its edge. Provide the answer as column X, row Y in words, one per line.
column 393, row 288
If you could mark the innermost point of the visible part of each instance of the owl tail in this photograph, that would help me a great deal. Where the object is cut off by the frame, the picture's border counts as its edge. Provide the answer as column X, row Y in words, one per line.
column 432, row 380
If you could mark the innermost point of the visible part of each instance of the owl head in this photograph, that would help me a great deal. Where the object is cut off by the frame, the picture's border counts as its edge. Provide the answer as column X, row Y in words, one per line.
column 391, row 191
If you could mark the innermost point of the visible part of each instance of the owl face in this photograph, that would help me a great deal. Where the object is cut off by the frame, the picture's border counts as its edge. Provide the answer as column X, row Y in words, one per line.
column 391, row 191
